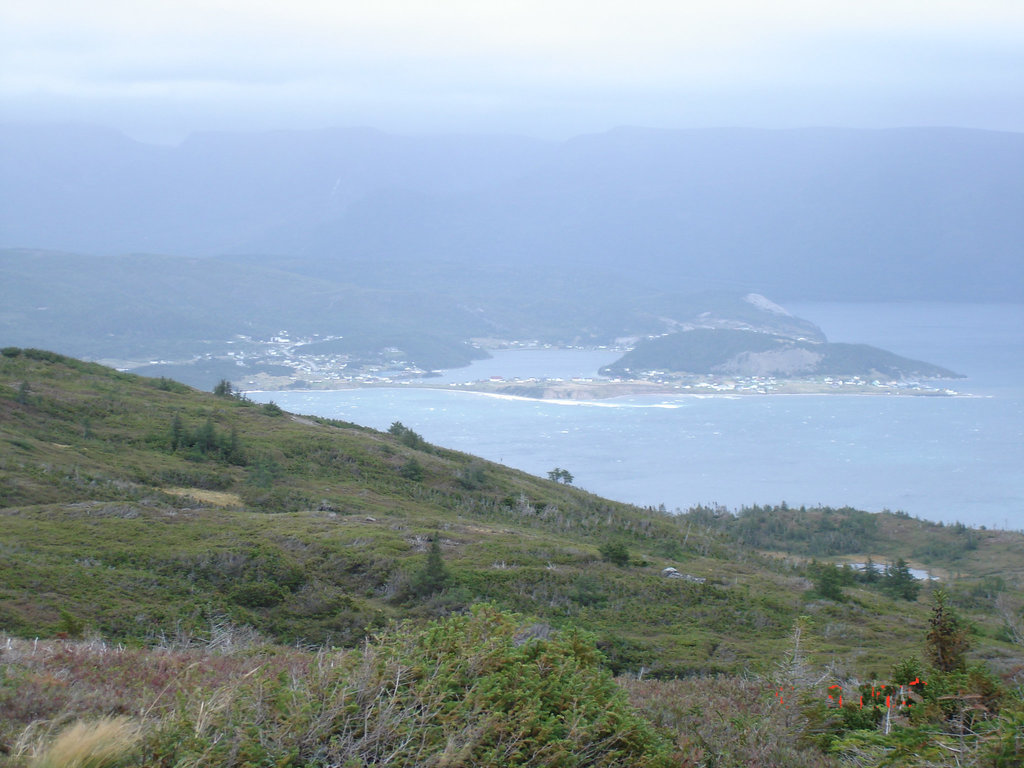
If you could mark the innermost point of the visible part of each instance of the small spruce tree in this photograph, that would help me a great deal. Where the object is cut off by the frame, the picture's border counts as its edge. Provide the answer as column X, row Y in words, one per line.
column 946, row 643
column 898, row 581
column 827, row 581
column 177, row 433
column 232, row 449
column 870, row 574
column 434, row 576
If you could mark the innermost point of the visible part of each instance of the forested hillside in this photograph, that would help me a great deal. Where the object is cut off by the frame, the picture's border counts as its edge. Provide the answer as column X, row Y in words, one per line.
column 731, row 351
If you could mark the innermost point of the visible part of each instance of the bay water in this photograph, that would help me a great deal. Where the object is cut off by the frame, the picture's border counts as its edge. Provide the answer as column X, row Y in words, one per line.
column 938, row 458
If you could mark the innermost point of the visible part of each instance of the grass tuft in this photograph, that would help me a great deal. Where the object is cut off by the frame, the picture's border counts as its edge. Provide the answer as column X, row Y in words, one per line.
column 97, row 744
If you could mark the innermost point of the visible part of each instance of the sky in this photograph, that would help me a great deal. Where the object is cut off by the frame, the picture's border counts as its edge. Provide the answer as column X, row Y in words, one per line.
column 159, row 70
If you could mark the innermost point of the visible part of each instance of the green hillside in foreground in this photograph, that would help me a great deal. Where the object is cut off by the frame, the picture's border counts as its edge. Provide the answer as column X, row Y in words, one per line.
column 142, row 512
column 141, row 508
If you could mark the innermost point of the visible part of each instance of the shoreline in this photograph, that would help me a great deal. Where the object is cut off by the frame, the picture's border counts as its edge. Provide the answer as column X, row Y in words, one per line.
column 556, row 390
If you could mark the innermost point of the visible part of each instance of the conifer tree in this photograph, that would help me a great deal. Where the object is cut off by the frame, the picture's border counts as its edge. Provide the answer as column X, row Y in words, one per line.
column 233, row 448
column 177, row 432
column 898, row 581
column 827, row 581
column 946, row 642
column 434, row 576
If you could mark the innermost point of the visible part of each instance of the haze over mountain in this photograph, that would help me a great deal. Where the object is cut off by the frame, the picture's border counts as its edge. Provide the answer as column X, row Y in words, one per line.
column 926, row 214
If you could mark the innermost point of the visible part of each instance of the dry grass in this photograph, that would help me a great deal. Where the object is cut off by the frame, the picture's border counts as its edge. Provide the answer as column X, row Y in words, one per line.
column 96, row 744
column 217, row 498
column 46, row 684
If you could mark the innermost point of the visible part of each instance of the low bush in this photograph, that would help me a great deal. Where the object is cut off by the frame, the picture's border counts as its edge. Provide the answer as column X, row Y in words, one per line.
column 483, row 689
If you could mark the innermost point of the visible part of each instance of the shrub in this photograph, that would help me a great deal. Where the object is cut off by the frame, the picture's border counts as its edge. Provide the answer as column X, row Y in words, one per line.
column 516, row 697
column 616, row 553
column 472, row 476
column 411, row 470
column 69, row 625
column 44, row 355
column 484, row 689
column 727, row 722
column 588, row 590
column 257, row 594
column 408, row 437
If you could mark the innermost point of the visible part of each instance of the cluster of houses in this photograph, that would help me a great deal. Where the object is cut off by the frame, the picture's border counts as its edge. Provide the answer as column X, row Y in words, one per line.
column 672, row 573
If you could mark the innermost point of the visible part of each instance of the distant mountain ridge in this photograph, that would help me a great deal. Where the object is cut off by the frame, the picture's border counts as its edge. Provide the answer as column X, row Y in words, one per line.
column 831, row 214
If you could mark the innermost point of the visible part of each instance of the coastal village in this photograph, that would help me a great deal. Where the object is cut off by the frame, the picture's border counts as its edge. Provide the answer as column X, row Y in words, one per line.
column 289, row 366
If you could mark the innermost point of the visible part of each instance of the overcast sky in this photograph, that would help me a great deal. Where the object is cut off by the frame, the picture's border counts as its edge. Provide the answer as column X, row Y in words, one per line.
column 160, row 69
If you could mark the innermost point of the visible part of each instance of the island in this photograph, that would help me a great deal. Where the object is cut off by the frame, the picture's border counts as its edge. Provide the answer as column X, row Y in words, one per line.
column 752, row 353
